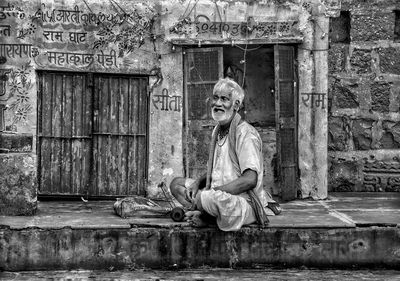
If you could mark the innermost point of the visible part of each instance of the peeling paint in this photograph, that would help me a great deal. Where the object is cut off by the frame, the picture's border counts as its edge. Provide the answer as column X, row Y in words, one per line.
column 396, row 253
column 231, row 248
column 358, row 246
column 168, row 172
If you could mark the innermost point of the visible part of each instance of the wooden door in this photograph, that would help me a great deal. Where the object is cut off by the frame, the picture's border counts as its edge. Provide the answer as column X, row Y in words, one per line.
column 203, row 68
column 119, row 135
column 92, row 134
column 64, row 133
column 286, row 120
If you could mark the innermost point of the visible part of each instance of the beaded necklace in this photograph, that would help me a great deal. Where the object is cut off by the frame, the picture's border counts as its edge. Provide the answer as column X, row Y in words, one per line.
column 222, row 135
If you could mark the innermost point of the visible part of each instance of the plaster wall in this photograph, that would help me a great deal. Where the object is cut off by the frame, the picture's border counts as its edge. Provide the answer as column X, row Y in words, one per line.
column 134, row 37
column 312, row 123
column 84, row 36
column 310, row 29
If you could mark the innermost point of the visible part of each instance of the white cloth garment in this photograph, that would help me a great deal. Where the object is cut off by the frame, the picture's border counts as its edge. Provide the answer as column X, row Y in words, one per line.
column 234, row 211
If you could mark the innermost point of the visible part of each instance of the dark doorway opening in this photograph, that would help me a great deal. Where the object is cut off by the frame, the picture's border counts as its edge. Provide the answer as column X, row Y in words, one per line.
column 267, row 74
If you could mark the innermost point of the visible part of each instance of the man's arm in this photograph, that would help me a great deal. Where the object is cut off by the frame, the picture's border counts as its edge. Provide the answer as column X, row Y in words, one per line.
column 248, row 151
column 247, row 181
column 200, row 183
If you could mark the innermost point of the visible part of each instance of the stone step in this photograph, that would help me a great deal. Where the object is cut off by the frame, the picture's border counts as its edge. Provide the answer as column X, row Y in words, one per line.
column 344, row 231
column 209, row 274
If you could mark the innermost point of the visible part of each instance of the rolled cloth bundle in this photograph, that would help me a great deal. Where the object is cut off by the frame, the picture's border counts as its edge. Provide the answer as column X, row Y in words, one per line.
column 138, row 206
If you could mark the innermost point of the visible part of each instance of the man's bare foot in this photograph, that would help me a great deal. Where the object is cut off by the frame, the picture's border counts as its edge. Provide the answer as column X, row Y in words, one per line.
column 194, row 219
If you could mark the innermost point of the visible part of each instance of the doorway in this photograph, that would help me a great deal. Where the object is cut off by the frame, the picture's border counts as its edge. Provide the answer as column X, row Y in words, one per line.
column 92, row 134
column 267, row 73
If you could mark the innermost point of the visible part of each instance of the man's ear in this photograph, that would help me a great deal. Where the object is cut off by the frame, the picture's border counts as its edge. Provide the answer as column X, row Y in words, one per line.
column 236, row 105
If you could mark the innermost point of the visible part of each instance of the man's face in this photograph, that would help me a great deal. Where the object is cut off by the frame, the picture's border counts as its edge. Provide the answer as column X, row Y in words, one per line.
column 222, row 106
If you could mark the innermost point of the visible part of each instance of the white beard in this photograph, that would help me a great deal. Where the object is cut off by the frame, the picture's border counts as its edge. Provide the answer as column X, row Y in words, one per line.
column 222, row 117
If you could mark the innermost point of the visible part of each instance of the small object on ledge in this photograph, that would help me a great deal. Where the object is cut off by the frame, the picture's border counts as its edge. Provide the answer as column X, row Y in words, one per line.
column 275, row 207
column 138, row 206
column 177, row 214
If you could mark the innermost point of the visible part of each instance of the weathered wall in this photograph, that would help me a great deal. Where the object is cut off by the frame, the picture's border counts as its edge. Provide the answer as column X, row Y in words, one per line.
column 313, row 98
column 165, row 160
column 84, row 36
column 311, row 23
column 364, row 89
column 18, row 184
column 174, row 248
column 134, row 37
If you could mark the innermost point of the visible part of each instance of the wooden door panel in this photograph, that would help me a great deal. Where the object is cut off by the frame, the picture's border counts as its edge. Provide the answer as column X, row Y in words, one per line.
column 64, row 143
column 204, row 65
column 101, row 137
column 45, row 128
column 66, row 133
column 65, row 156
column 199, row 106
column 55, row 168
column 288, row 153
column 56, row 104
column 198, row 146
column 44, row 175
column 100, row 182
column 120, row 136
column 141, row 137
column 203, row 68
column 286, row 120
column 286, row 103
column 92, row 134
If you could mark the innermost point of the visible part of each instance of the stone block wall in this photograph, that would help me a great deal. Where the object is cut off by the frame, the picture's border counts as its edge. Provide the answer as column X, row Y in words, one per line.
column 364, row 97
column 18, row 185
column 18, row 182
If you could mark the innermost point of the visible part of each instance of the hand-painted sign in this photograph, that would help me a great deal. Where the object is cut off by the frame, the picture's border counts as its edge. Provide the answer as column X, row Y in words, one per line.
column 5, row 30
column 15, row 50
column 62, row 58
column 235, row 29
column 54, row 35
column 313, row 99
column 167, row 102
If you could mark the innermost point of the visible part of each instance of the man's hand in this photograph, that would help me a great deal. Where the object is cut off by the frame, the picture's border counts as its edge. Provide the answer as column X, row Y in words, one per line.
column 192, row 190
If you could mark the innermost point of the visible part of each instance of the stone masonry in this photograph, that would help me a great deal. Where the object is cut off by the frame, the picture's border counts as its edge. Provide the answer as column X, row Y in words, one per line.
column 364, row 88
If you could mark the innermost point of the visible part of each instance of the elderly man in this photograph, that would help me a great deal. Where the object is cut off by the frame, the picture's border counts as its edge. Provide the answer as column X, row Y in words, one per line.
column 232, row 190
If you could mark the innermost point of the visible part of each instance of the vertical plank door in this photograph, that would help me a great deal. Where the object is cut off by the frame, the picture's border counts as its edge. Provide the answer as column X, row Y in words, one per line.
column 120, row 135
column 286, row 119
column 203, row 68
column 64, row 133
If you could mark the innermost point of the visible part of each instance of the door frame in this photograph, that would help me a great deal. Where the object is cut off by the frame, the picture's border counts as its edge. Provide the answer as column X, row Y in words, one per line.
column 288, row 187
column 186, row 121
column 277, row 92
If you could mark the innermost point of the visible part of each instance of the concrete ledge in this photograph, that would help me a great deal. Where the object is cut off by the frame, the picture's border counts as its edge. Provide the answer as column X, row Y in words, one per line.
column 40, row 249
column 345, row 231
